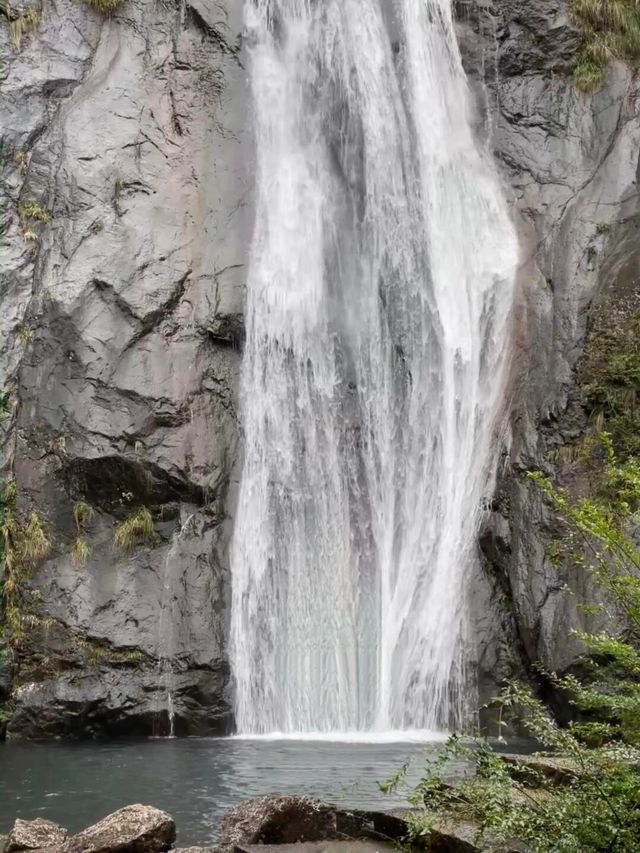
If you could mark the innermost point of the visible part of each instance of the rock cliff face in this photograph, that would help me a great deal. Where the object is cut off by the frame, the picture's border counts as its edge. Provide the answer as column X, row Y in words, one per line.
column 572, row 161
column 125, row 227
column 126, row 218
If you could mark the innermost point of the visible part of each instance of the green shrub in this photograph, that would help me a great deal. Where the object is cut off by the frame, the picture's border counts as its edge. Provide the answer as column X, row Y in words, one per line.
column 597, row 808
column 611, row 380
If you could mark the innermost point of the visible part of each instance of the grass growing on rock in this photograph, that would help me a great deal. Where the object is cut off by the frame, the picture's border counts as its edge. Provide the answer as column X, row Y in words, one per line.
column 138, row 527
column 34, row 543
column 32, row 211
column 22, row 547
column 79, row 552
column 107, row 7
column 21, row 26
column 30, row 214
column 610, row 29
column 82, row 514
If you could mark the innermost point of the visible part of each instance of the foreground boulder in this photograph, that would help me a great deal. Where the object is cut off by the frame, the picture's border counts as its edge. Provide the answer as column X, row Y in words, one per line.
column 531, row 769
column 277, row 820
column 133, row 829
column 32, row 834
column 255, row 825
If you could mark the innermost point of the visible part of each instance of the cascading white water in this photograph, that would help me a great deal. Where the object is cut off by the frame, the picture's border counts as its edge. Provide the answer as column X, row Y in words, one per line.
column 378, row 302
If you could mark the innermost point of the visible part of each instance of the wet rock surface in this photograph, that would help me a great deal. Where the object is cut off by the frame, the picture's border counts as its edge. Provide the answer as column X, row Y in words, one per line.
column 277, row 820
column 33, row 834
column 571, row 162
column 302, row 825
column 270, row 824
column 125, row 225
column 133, row 829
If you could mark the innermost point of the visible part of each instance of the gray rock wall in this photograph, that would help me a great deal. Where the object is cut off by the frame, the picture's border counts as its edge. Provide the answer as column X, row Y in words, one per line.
column 572, row 162
column 119, row 354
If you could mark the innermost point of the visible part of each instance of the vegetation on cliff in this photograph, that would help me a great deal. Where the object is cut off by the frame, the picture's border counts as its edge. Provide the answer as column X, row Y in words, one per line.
column 107, row 7
column 610, row 375
column 610, row 29
column 597, row 805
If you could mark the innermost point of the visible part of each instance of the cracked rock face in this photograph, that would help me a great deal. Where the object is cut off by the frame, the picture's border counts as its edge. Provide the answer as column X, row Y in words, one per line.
column 572, row 162
column 126, row 222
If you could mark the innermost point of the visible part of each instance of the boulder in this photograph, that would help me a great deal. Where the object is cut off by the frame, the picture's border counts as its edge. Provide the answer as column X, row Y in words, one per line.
column 282, row 820
column 32, row 834
column 304, row 825
column 558, row 770
column 277, row 820
column 349, row 846
column 133, row 829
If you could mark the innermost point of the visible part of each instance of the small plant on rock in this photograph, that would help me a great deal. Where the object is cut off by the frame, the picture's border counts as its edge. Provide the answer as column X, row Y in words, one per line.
column 30, row 214
column 107, row 7
column 138, row 527
column 32, row 211
column 21, row 160
column 79, row 552
column 24, row 333
column 82, row 514
column 22, row 25
column 34, row 544
column 610, row 29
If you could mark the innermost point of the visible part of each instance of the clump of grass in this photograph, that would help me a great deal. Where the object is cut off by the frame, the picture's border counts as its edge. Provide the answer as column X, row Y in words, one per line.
column 24, row 333
column 21, row 26
column 34, row 543
column 107, row 7
column 21, row 160
column 32, row 211
column 610, row 29
column 82, row 514
column 138, row 526
column 79, row 552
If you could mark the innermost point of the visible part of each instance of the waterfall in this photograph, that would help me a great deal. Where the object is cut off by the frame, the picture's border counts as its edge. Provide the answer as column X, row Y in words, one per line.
column 378, row 304
column 171, row 595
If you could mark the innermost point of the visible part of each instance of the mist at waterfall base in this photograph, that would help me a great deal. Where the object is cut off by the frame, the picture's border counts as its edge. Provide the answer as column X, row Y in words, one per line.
column 379, row 295
column 196, row 780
